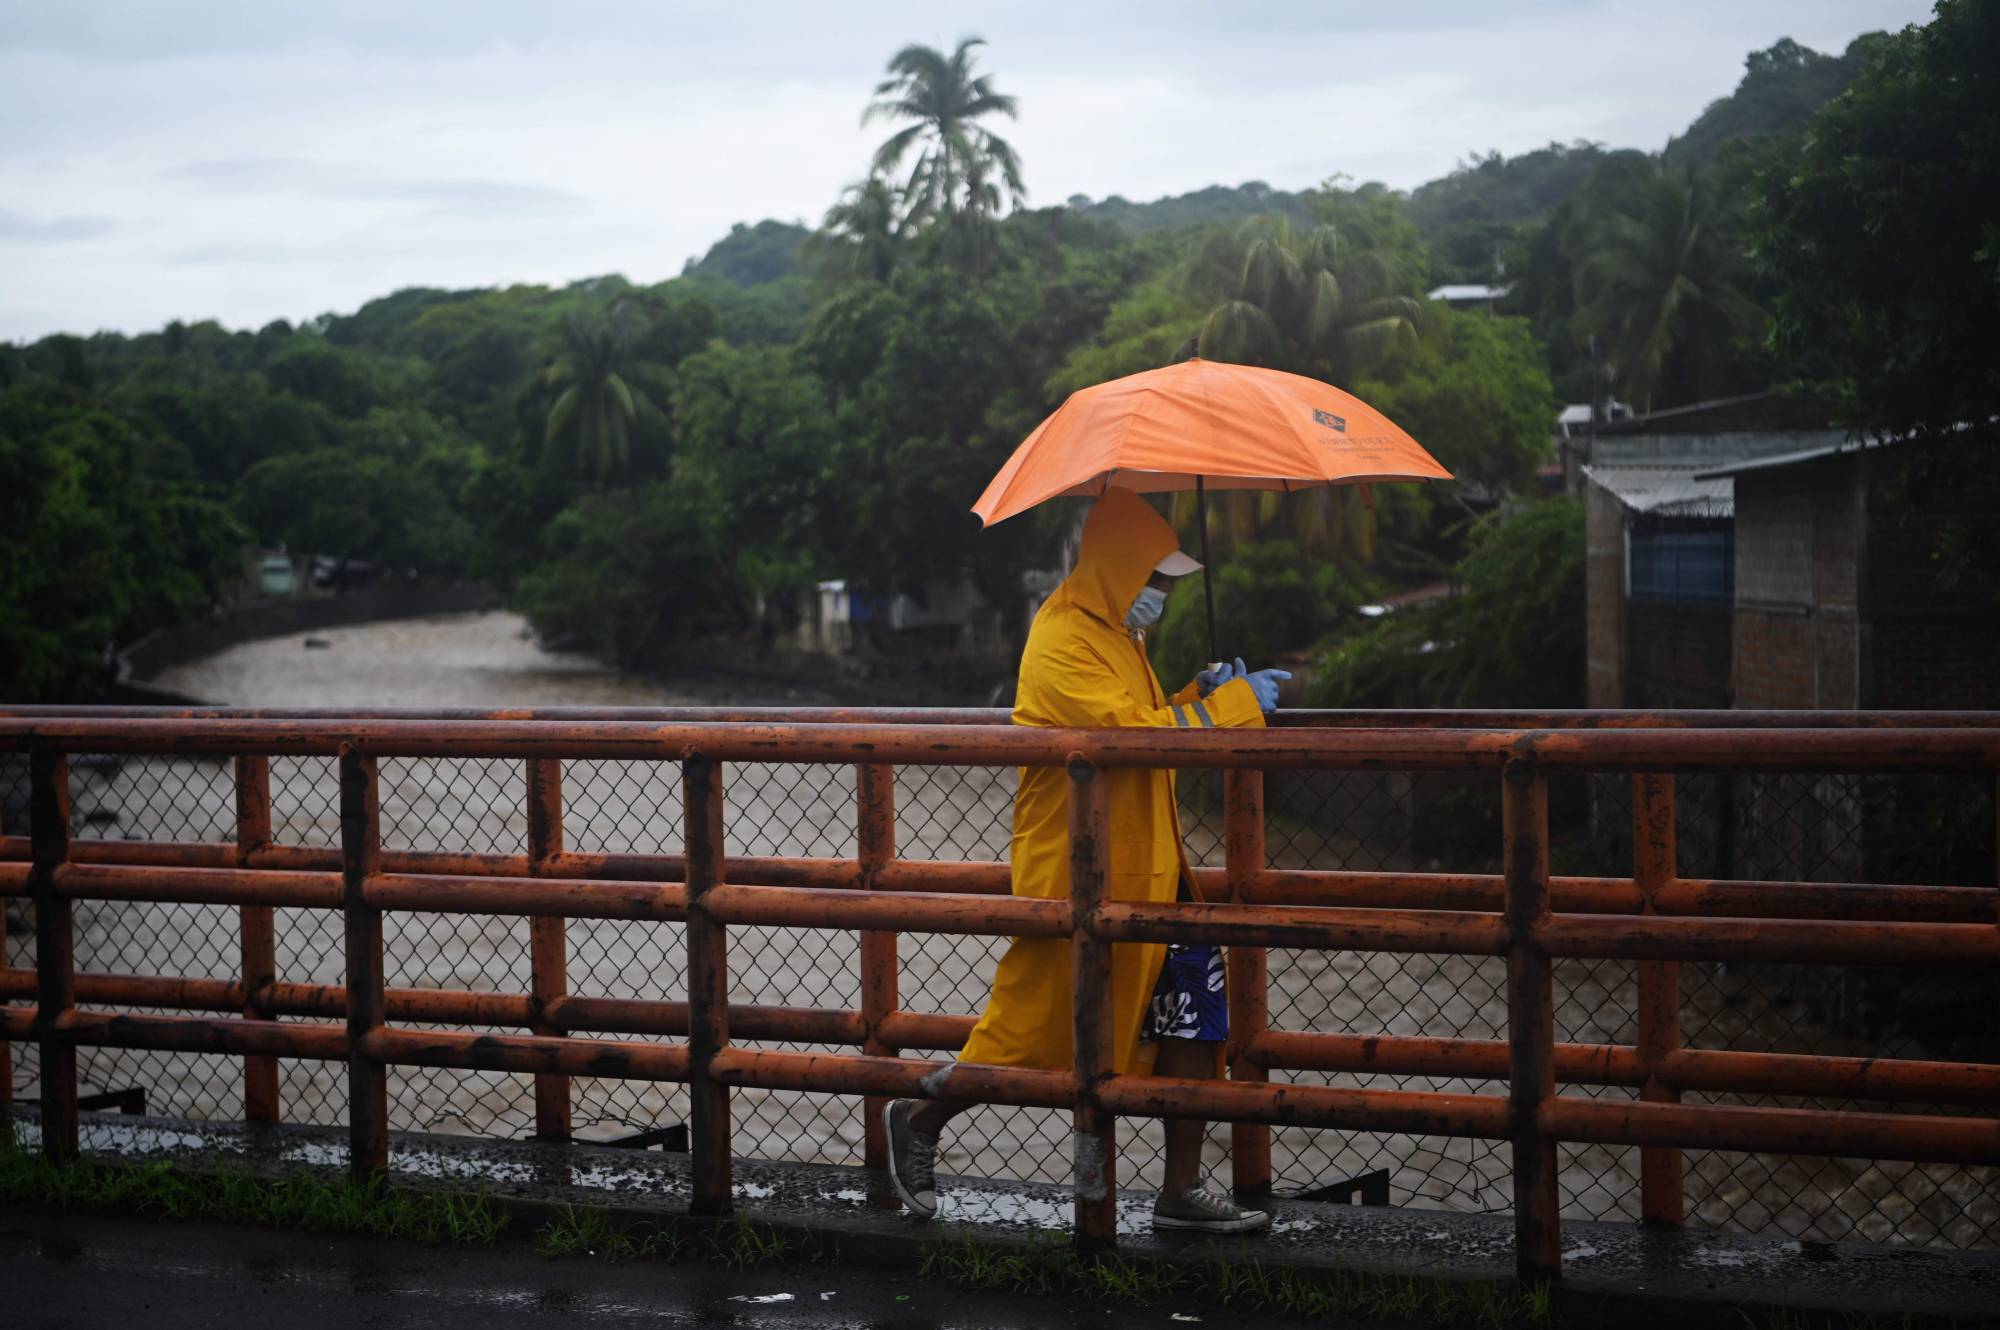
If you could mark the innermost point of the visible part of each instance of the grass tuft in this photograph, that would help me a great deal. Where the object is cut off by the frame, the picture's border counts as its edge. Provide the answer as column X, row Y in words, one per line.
column 744, row 1245
column 587, row 1232
column 294, row 1200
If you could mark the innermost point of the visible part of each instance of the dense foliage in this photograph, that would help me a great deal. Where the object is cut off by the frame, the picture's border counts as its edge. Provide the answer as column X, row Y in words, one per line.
column 645, row 469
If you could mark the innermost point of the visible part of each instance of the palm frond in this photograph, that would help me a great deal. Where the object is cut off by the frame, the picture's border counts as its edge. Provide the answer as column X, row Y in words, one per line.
column 560, row 413
column 621, row 396
column 1238, row 331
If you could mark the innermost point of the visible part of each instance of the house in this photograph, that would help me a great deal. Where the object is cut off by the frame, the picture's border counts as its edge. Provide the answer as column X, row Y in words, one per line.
column 1838, row 603
column 1661, row 555
column 1470, row 295
column 950, row 615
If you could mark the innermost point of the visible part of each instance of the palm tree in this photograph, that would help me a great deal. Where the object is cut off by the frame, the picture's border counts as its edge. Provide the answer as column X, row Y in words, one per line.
column 863, row 234
column 1663, row 284
column 596, row 405
column 956, row 157
column 1328, row 303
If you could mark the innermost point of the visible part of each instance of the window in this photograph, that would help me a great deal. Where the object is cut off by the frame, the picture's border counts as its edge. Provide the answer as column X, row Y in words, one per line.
column 1682, row 559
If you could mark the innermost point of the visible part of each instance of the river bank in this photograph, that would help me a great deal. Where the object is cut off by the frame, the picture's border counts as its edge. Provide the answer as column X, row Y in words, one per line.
column 492, row 658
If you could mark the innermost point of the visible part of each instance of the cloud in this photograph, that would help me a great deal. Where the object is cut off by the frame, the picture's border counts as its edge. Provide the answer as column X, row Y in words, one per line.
column 21, row 230
column 299, row 177
column 254, row 159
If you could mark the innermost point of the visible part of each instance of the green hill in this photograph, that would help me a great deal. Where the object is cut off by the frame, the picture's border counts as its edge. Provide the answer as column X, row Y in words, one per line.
column 1781, row 88
column 1201, row 207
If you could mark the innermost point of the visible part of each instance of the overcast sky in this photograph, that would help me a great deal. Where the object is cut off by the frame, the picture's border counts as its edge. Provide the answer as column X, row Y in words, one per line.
column 247, row 160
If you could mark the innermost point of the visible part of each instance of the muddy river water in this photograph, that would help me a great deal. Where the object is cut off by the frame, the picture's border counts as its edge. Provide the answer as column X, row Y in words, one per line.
column 489, row 660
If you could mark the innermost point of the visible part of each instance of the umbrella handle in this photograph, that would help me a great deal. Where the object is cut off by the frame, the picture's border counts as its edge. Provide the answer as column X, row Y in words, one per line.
column 1207, row 585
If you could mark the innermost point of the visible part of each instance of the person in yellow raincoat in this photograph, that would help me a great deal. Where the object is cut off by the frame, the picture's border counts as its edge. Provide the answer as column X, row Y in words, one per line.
column 1085, row 665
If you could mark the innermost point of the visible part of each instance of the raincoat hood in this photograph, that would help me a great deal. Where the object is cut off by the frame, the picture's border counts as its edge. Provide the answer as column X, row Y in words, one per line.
column 1123, row 540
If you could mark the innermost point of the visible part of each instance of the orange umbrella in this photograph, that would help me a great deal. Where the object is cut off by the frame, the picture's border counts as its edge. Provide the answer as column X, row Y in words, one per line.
column 1199, row 425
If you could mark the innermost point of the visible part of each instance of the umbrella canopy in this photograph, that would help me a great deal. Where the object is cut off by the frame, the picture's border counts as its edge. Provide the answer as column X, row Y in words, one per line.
column 1204, row 424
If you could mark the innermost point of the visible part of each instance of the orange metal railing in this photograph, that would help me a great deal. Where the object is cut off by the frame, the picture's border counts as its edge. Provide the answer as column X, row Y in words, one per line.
column 1525, row 914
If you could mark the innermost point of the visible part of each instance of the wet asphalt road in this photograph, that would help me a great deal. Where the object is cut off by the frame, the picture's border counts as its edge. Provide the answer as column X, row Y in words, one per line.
column 74, row 1271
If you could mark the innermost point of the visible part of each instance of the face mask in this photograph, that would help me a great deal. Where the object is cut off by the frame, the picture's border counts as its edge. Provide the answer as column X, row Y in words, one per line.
column 1146, row 609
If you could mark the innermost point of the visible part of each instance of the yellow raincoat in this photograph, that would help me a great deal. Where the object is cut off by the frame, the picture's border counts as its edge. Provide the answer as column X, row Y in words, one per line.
column 1082, row 667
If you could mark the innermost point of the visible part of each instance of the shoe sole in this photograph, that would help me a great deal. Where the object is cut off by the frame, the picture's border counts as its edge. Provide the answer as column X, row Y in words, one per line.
column 910, row 1203
column 1212, row 1225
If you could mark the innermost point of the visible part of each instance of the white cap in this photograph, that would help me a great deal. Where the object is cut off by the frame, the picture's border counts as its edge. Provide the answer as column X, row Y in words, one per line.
column 1177, row 564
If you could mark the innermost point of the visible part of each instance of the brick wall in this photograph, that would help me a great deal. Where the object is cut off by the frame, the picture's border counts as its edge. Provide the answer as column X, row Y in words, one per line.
column 1797, row 621
column 1677, row 654
column 1604, row 599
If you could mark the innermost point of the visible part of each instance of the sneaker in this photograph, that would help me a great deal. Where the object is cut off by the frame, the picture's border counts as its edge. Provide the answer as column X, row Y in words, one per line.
column 1206, row 1211
column 912, row 1159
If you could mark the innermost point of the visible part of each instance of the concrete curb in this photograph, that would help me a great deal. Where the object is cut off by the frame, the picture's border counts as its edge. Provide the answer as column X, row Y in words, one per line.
column 1639, row 1275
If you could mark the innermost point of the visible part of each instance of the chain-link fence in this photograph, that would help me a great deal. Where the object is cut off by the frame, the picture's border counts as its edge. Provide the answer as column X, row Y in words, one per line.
column 1826, row 828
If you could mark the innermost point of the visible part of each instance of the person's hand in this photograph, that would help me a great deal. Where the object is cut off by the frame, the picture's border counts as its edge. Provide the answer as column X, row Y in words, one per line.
column 1214, row 677
column 1264, row 683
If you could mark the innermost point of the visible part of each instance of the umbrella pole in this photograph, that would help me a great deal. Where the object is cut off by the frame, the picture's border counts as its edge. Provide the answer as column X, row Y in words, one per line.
column 1207, row 586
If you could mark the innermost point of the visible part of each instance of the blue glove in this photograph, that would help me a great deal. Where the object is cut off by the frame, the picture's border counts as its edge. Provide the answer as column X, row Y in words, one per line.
column 1264, row 683
column 1211, row 679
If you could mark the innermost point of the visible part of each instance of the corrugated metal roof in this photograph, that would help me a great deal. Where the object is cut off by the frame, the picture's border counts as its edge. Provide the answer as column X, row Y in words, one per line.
column 1792, row 459
column 1667, row 491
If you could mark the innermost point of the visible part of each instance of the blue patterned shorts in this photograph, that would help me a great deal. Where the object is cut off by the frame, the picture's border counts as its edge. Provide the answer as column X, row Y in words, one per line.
column 1191, row 1000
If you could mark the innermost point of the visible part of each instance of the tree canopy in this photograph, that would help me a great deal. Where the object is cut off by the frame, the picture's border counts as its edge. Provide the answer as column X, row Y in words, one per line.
column 645, row 469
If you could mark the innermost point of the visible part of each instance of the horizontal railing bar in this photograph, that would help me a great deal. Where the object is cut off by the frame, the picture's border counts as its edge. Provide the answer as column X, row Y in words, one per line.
column 1916, row 1137
column 1422, row 1112
column 930, row 1031
column 1422, row 1055
column 544, row 1054
column 186, row 1034
column 1688, row 897
column 1936, row 748
column 1320, row 927
column 1710, row 1070
column 1479, row 892
column 573, row 714
column 288, row 858
column 976, row 745
column 903, row 912
column 454, row 1006
column 1920, row 1138
column 805, row 1025
column 850, row 1073
column 1808, row 1075
column 1692, row 897
column 1289, row 718
column 205, row 886
column 1792, row 941
column 1713, row 898
column 660, row 902
column 974, row 877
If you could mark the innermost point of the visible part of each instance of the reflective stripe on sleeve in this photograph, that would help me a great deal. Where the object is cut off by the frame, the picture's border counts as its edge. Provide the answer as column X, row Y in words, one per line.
column 1201, row 714
column 1180, row 717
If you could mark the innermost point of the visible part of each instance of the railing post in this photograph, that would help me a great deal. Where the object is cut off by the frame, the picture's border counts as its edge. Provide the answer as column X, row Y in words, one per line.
column 708, row 988
column 360, row 858
column 55, row 950
column 257, row 933
column 1661, row 1198
column 1094, row 1143
column 1249, row 973
column 548, row 944
column 874, row 846
column 1530, row 1020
